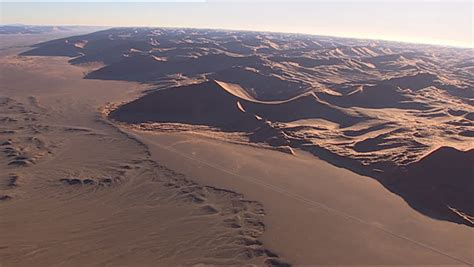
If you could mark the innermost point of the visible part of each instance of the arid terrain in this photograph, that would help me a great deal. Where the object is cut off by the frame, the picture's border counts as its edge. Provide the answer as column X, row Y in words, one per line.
column 147, row 146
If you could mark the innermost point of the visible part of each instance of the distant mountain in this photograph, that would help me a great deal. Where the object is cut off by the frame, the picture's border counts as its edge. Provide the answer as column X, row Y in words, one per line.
column 34, row 29
column 27, row 29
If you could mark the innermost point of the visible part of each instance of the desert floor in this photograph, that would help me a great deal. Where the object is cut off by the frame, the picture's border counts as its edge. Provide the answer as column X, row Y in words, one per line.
column 81, row 191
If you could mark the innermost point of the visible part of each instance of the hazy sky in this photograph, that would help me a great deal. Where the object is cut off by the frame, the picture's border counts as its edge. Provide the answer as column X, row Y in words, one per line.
column 446, row 22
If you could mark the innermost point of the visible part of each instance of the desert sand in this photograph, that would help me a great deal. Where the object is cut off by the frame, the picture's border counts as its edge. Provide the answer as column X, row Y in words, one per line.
column 77, row 191
column 145, row 147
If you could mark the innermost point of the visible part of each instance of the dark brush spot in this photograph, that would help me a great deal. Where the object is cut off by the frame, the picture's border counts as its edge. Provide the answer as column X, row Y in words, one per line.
column 70, row 181
column 5, row 197
column 88, row 181
column 75, row 181
column 18, row 163
column 12, row 181
column 106, row 180
column 273, row 262
column 6, row 143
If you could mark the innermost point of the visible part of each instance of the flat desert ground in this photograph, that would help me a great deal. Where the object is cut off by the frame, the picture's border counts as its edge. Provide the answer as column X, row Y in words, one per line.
column 81, row 185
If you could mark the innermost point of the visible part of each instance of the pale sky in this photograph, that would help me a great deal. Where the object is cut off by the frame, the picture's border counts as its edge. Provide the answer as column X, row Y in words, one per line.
column 435, row 22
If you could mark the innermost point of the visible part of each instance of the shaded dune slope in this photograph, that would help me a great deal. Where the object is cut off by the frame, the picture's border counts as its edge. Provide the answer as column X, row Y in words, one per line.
column 225, row 106
column 442, row 182
column 375, row 96
column 149, row 67
column 200, row 104
column 264, row 84
column 415, row 82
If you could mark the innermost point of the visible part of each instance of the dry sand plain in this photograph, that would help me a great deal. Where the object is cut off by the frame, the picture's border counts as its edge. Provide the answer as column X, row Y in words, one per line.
column 79, row 189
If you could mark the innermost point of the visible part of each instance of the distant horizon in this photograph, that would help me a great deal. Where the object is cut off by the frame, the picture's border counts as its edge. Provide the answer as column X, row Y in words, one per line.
column 430, row 23
column 106, row 27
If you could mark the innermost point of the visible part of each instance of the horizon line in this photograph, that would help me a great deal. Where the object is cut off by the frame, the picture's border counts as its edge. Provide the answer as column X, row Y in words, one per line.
column 368, row 38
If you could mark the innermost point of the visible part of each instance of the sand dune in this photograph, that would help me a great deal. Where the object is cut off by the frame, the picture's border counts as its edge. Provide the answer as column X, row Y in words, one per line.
column 216, row 103
column 206, row 103
column 414, row 82
column 376, row 96
column 448, row 173
column 261, row 83
column 144, row 67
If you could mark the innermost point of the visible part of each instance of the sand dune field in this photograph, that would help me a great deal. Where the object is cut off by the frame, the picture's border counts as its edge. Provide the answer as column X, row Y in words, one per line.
column 182, row 147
